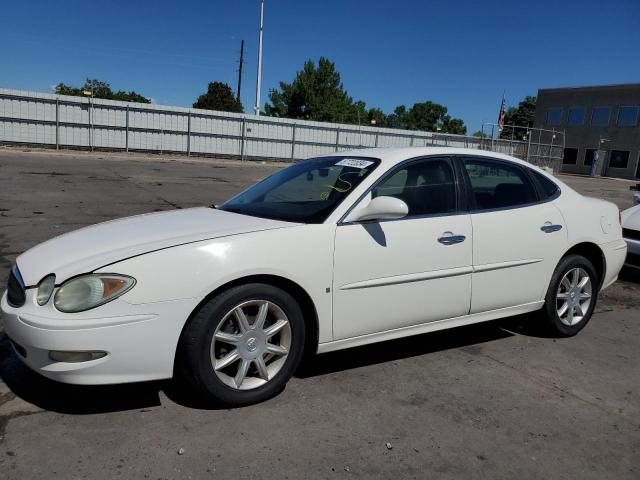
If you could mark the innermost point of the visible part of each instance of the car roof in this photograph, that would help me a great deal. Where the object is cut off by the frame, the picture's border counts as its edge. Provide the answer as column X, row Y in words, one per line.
column 390, row 156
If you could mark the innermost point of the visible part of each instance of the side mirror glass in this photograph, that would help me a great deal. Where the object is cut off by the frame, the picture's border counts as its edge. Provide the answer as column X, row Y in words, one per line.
column 379, row 208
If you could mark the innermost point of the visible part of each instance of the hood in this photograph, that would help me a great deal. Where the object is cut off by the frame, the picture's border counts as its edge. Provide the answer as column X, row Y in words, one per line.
column 631, row 218
column 93, row 247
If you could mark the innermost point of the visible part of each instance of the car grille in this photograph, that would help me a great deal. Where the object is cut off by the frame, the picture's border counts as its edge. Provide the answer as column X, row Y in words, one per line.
column 15, row 288
column 632, row 234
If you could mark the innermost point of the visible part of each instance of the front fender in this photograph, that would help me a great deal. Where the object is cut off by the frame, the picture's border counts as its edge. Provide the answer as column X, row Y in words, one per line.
column 302, row 254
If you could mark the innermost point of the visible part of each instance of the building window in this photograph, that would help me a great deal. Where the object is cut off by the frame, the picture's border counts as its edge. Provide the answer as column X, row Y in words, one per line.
column 588, row 156
column 627, row 116
column 576, row 116
column 570, row 156
column 554, row 116
column 600, row 116
column 619, row 159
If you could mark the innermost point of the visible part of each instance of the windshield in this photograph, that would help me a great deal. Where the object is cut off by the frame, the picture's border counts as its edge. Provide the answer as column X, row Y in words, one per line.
column 306, row 192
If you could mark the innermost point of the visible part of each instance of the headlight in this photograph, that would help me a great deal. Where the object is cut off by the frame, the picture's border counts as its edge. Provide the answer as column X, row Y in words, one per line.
column 45, row 289
column 89, row 291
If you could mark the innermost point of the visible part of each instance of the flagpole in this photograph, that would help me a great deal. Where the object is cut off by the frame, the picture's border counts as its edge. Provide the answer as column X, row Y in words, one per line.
column 502, row 113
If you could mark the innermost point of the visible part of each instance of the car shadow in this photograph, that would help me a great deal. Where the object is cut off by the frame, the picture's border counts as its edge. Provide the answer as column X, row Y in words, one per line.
column 418, row 345
column 81, row 400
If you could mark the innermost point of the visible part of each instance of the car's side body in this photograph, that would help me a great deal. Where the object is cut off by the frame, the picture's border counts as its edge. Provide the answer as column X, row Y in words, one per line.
column 362, row 282
column 631, row 234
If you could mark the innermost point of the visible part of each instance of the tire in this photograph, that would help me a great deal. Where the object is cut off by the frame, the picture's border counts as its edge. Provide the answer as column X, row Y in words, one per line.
column 268, row 368
column 578, row 310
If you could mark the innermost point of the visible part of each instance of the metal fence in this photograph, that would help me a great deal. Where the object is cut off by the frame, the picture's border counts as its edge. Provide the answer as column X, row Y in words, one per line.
column 540, row 146
column 75, row 122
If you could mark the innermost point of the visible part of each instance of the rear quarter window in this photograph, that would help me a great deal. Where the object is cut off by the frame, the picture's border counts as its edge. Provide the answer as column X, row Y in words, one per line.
column 548, row 188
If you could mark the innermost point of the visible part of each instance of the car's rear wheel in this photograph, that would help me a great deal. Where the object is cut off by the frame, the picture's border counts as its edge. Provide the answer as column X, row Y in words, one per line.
column 572, row 296
column 243, row 345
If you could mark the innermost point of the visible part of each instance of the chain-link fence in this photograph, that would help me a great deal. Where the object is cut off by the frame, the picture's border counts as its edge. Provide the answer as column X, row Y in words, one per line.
column 539, row 146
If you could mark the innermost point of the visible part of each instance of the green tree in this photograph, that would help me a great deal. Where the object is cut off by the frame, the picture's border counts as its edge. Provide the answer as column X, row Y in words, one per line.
column 520, row 116
column 399, row 118
column 358, row 114
column 316, row 94
column 480, row 134
column 220, row 97
column 426, row 116
column 377, row 117
column 455, row 125
column 433, row 117
column 100, row 89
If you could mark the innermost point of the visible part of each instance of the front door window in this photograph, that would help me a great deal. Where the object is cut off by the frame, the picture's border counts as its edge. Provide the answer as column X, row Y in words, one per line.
column 427, row 186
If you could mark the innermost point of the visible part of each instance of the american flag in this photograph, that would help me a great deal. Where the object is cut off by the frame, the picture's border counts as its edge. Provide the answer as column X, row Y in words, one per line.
column 501, row 114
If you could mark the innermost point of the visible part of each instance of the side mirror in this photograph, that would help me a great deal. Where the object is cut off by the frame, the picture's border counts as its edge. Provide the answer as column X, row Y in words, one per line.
column 380, row 208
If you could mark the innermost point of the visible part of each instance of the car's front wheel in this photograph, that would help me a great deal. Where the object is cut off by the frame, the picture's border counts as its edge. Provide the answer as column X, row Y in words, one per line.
column 571, row 297
column 243, row 345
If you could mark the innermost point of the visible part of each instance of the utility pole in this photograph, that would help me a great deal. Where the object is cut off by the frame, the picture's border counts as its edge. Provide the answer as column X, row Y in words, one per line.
column 89, row 93
column 259, row 80
column 240, row 69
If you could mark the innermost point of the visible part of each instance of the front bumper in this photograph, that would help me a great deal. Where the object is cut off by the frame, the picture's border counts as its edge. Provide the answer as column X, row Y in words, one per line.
column 140, row 340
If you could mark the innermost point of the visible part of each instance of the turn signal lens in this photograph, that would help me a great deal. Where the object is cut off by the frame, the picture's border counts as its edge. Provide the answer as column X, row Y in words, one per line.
column 90, row 291
column 45, row 289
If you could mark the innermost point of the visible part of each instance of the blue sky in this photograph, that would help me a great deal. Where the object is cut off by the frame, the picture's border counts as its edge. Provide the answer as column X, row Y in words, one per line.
column 462, row 54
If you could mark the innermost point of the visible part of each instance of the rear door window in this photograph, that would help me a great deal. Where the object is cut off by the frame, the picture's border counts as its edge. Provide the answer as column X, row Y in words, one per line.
column 496, row 184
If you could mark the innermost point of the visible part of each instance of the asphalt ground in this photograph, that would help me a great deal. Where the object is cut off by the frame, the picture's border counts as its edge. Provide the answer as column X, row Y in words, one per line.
column 495, row 400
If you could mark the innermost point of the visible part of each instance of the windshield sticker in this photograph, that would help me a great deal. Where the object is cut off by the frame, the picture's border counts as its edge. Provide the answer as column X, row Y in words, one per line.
column 354, row 162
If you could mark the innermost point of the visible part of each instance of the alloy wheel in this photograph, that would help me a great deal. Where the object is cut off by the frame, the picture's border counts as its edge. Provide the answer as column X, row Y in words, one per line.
column 574, row 296
column 251, row 344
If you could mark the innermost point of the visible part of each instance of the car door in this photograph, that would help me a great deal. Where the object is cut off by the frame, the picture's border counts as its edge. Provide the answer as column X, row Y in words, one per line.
column 397, row 273
column 518, row 237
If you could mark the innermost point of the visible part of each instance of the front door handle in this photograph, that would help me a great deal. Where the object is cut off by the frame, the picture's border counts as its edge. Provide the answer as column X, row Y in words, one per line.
column 452, row 239
column 549, row 228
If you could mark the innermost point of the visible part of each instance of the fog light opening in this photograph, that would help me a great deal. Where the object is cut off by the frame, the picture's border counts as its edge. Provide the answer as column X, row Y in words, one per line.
column 75, row 357
column 20, row 350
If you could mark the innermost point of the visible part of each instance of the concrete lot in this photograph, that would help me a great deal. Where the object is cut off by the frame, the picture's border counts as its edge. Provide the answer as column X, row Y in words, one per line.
column 496, row 400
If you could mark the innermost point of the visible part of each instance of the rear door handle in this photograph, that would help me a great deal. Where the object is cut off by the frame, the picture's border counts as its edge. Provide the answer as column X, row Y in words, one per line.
column 451, row 239
column 549, row 228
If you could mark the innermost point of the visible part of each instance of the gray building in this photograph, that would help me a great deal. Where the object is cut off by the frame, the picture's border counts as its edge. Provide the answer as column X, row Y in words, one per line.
column 604, row 118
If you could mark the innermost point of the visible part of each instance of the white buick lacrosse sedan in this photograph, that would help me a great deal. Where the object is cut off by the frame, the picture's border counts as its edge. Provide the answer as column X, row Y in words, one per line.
column 332, row 252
